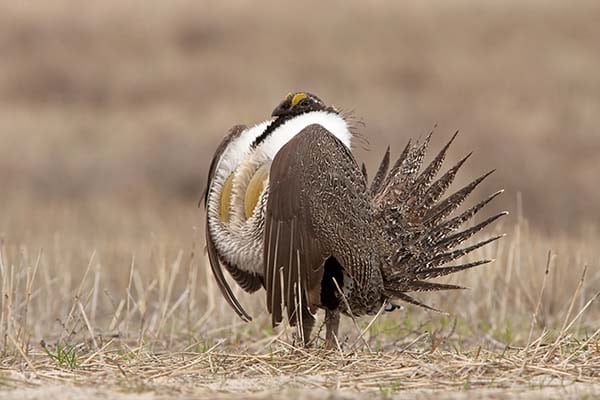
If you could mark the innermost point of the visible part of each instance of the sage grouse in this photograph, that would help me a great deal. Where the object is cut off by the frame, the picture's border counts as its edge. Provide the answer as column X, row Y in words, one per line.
column 289, row 210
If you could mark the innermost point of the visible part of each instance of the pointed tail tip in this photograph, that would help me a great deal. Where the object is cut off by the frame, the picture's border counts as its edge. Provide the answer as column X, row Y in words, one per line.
column 445, row 148
column 494, row 195
column 494, row 238
column 464, row 160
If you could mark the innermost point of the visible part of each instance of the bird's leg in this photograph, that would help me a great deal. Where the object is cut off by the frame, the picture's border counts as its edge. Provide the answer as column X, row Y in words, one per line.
column 332, row 324
column 308, row 322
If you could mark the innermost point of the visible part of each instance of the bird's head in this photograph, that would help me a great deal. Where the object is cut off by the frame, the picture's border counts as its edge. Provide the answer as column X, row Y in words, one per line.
column 300, row 103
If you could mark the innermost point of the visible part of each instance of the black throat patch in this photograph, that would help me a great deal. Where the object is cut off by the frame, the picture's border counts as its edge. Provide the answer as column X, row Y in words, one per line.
column 277, row 122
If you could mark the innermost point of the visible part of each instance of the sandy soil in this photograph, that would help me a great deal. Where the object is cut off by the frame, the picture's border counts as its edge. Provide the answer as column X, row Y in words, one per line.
column 70, row 392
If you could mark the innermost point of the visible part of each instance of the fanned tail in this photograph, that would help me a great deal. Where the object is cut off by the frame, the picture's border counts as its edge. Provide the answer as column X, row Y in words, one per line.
column 421, row 232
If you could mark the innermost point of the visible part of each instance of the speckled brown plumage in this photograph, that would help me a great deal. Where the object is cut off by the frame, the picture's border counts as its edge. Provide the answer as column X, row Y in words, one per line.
column 333, row 242
column 319, row 209
column 386, row 240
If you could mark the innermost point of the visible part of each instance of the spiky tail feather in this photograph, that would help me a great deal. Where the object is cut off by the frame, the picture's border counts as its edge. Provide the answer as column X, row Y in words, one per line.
column 416, row 221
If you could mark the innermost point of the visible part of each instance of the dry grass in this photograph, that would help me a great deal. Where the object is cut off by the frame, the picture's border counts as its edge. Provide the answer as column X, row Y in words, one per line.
column 107, row 121
column 138, row 312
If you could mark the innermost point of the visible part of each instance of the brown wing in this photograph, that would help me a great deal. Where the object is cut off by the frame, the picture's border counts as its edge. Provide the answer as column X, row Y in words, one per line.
column 294, row 250
column 215, row 265
column 248, row 281
column 213, row 255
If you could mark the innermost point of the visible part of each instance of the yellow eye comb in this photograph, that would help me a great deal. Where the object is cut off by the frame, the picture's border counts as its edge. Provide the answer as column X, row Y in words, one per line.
column 298, row 97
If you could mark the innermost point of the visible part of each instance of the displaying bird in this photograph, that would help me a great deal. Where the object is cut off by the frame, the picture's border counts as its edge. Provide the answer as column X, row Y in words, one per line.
column 290, row 210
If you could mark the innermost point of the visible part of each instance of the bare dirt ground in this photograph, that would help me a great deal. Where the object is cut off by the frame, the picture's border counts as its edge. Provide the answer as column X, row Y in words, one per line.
column 576, row 391
column 109, row 114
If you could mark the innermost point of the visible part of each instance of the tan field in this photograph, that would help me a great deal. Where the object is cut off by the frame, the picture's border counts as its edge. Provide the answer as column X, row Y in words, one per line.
column 110, row 113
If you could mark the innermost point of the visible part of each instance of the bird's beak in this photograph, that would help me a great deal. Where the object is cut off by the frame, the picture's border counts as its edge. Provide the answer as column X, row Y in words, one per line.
column 282, row 109
column 279, row 110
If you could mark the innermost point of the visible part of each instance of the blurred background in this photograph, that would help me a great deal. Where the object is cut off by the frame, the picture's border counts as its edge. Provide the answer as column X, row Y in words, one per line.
column 110, row 113
column 125, row 102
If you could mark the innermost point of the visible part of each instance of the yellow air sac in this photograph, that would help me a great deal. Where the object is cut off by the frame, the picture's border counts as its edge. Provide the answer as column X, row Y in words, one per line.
column 226, row 199
column 255, row 188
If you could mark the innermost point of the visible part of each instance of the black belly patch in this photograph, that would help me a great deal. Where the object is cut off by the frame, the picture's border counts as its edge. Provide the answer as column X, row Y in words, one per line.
column 330, row 296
